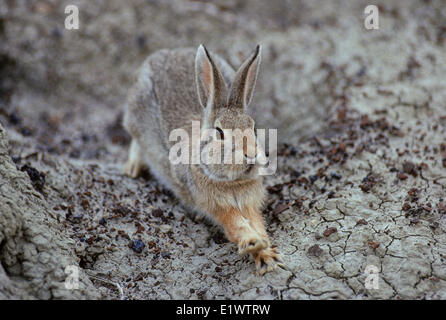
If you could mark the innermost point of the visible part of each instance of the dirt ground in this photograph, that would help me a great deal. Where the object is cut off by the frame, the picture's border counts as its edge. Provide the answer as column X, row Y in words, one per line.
column 361, row 179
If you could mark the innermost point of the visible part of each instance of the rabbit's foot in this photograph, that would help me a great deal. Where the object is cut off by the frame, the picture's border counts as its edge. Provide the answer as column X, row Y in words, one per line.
column 267, row 260
column 252, row 243
column 134, row 165
column 132, row 168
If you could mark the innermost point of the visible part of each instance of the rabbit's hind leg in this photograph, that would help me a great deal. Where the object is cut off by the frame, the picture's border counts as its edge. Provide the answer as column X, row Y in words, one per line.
column 134, row 164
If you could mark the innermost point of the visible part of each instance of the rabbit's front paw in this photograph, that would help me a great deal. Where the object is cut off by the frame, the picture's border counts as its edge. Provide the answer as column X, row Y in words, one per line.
column 252, row 243
column 267, row 260
column 132, row 168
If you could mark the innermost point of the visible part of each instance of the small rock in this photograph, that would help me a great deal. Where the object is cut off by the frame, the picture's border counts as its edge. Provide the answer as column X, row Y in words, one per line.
column 368, row 183
column 315, row 251
column 406, row 206
column 157, row 213
column 331, row 195
column 336, row 175
column 330, row 231
column 73, row 218
column 165, row 228
column 402, row 176
column 373, row 244
column 137, row 246
column 410, row 168
column 413, row 192
column 121, row 210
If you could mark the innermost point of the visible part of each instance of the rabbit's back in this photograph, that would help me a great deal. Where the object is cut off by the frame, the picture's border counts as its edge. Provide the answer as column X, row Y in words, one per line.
column 172, row 75
column 164, row 96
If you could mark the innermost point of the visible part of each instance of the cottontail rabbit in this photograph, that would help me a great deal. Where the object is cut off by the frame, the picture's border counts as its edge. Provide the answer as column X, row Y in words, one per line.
column 175, row 88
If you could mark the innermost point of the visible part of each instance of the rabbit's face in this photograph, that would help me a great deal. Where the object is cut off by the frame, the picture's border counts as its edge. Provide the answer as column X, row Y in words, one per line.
column 230, row 149
column 228, row 141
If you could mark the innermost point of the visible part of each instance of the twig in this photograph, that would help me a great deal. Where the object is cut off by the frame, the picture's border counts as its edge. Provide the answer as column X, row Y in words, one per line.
column 117, row 285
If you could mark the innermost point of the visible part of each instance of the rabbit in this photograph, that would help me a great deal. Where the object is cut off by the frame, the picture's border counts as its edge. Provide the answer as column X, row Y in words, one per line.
column 176, row 87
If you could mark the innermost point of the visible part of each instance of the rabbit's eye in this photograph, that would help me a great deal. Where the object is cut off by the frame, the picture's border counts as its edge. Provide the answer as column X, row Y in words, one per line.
column 220, row 132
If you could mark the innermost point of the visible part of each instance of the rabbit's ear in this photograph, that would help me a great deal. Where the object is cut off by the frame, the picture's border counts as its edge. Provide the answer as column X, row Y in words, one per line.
column 211, row 86
column 244, row 81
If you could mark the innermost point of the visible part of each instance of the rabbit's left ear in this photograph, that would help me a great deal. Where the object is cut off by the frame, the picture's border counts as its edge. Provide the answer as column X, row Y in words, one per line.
column 211, row 86
column 244, row 81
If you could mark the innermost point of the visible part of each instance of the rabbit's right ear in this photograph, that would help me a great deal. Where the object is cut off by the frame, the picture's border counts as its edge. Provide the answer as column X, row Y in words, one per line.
column 244, row 81
column 211, row 86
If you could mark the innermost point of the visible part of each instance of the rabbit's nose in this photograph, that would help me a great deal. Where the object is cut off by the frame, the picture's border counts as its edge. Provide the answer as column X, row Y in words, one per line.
column 261, row 157
column 254, row 155
column 250, row 152
column 250, row 160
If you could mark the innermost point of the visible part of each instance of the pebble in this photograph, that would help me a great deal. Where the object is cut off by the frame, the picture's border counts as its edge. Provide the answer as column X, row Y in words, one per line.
column 165, row 228
column 138, row 246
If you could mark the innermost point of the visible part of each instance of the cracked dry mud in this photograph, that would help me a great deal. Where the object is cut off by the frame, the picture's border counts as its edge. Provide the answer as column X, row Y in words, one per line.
column 361, row 177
